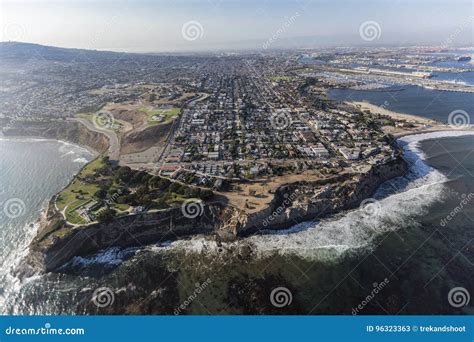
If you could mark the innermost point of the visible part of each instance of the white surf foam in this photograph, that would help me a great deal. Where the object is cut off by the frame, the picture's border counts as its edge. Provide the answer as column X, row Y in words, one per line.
column 110, row 256
column 410, row 198
column 11, row 259
column 81, row 160
column 19, row 238
column 68, row 154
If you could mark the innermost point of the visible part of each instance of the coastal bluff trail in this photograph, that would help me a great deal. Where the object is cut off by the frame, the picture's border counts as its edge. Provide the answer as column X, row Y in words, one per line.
column 56, row 243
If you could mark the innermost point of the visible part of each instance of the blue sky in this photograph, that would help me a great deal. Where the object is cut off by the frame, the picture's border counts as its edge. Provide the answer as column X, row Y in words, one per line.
column 143, row 26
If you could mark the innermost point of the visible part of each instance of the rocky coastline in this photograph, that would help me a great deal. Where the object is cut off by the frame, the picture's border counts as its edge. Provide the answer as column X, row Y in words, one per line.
column 64, row 130
column 56, row 242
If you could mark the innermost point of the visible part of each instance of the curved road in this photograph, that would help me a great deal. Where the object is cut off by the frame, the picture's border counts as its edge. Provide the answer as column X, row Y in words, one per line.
column 114, row 145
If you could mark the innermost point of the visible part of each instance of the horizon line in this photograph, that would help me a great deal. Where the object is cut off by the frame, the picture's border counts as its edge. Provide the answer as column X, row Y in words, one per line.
column 247, row 49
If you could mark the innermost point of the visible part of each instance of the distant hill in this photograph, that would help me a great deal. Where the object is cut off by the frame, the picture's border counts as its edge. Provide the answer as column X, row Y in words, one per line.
column 24, row 51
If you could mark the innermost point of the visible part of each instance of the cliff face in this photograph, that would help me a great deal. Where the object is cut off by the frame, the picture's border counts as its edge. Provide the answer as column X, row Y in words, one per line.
column 303, row 201
column 53, row 247
column 70, row 131
column 292, row 203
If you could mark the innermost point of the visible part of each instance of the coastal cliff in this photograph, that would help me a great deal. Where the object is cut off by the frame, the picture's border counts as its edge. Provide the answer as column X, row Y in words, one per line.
column 303, row 201
column 56, row 242
column 70, row 131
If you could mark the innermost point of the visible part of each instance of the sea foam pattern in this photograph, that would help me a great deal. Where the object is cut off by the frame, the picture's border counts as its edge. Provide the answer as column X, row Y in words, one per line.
column 401, row 200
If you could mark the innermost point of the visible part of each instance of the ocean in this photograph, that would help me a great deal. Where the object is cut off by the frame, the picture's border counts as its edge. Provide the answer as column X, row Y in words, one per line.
column 403, row 245
column 31, row 172
column 414, row 100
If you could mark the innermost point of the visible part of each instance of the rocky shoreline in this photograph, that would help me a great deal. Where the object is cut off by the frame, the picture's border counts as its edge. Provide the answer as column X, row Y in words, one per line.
column 56, row 243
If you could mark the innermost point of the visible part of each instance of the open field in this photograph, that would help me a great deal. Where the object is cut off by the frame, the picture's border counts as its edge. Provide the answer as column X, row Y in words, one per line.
column 72, row 216
column 168, row 115
column 104, row 123
column 78, row 188
column 253, row 197
column 81, row 191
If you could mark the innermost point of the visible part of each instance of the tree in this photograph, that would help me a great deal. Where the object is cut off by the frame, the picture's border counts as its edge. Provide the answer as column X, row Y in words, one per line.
column 140, row 177
column 102, row 194
column 154, row 182
column 206, row 194
column 161, row 203
column 164, row 184
column 176, row 188
column 145, row 200
column 126, row 199
column 106, row 215
column 191, row 192
column 124, row 173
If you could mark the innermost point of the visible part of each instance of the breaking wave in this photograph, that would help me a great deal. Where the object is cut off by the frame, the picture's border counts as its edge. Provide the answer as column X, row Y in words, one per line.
column 17, row 233
column 80, row 160
column 103, row 261
column 400, row 202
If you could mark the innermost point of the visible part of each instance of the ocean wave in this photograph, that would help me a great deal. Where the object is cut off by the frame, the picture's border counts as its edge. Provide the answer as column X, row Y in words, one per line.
column 26, row 139
column 16, row 235
column 109, row 256
column 81, row 160
column 65, row 147
column 11, row 257
column 68, row 154
column 400, row 202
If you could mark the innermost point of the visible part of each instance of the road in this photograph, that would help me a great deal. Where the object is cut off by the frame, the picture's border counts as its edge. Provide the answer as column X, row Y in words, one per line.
column 114, row 145
column 176, row 123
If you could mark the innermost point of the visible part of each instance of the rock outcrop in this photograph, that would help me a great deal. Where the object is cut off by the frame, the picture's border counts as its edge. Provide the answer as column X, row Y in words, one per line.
column 56, row 242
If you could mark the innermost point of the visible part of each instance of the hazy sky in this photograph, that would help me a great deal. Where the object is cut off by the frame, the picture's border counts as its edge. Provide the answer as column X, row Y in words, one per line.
column 179, row 25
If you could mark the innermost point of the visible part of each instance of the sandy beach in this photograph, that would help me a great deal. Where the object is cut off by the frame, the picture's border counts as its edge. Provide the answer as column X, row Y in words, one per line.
column 395, row 115
column 421, row 124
